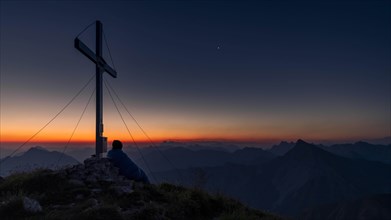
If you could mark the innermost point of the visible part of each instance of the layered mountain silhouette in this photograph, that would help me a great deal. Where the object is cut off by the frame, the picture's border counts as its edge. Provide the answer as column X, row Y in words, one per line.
column 297, row 181
column 306, row 176
column 358, row 150
column 201, row 145
column 362, row 150
column 183, row 158
column 282, row 148
column 36, row 157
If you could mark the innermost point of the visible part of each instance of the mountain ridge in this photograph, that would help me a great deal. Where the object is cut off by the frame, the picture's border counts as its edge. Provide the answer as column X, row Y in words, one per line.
column 308, row 167
column 33, row 158
column 305, row 176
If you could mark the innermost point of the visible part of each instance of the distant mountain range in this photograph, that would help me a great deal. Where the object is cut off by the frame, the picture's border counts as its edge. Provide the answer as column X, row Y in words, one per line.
column 36, row 157
column 282, row 148
column 294, row 179
column 362, row 150
column 358, row 150
column 306, row 176
column 200, row 145
column 182, row 158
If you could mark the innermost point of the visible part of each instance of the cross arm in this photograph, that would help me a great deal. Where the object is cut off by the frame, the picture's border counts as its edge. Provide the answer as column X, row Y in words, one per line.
column 85, row 50
column 109, row 70
column 92, row 56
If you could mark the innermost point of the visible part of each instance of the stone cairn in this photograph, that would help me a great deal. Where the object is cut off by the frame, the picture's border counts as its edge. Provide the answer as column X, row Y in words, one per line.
column 95, row 174
column 98, row 174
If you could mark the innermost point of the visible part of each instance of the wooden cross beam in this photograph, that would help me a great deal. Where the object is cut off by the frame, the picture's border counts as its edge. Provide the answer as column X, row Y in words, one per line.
column 101, row 67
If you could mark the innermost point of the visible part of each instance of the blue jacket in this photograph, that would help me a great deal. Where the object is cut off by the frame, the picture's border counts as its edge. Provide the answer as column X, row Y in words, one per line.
column 126, row 166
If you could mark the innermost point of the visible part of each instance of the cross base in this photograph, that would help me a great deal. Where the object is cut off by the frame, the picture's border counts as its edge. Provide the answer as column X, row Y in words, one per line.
column 101, row 147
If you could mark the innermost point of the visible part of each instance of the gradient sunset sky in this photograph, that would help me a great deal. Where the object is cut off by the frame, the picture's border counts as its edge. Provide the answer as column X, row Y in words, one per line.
column 208, row 70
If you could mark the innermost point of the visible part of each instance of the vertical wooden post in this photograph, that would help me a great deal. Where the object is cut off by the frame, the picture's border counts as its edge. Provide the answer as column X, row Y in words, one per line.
column 99, row 92
column 101, row 67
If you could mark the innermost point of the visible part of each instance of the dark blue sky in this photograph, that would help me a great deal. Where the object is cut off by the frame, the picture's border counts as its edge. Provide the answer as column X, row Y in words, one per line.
column 207, row 69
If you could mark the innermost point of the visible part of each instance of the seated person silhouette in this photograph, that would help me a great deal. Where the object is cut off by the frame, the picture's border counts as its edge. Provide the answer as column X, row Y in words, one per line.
column 125, row 165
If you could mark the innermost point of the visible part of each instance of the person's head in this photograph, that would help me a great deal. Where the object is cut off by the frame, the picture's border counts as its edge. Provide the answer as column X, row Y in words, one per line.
column 117, row 144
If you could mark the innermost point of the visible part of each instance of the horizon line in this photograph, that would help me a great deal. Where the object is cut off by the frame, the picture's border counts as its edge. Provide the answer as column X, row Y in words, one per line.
column 200, row 140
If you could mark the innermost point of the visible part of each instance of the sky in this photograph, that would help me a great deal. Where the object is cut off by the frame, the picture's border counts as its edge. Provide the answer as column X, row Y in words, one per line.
column 250, row 71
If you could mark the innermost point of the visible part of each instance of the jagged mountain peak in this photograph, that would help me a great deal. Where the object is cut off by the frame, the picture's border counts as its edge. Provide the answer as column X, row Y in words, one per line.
column 37, row 148
column 300, row 141
column 306, row 151
column 301, row 146
column 281, row 148
column 38, row 151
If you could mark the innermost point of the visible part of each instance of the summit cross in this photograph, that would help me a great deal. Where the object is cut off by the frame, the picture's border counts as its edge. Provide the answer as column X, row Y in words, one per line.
column 101, row 67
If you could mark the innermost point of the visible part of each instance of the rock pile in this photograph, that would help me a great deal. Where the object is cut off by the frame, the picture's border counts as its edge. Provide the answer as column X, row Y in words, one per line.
column 98, row 174
column 31, row 205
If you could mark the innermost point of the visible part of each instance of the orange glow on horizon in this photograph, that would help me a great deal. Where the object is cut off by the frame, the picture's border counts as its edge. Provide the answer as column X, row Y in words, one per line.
column 55, row 139
column 139, row 137
column 183, row 128
column 161, row 138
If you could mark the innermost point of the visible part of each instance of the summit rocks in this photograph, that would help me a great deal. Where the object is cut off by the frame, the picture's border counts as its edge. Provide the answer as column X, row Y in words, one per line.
column 97, row 174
